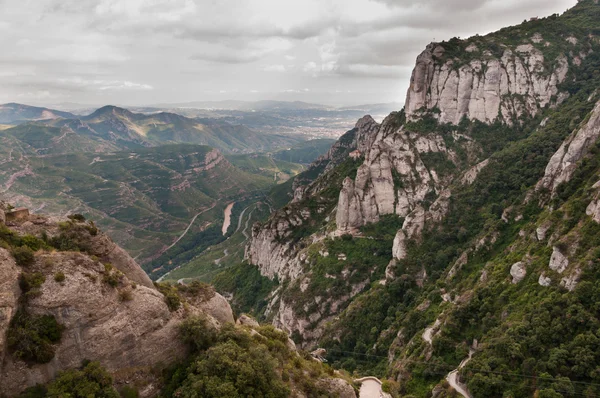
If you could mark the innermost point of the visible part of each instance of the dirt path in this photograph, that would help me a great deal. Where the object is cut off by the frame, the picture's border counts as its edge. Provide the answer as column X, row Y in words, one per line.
column 428, row 333
column 227, row 220
column 11, row 180
column 225, row 254
column 189, row 226
column 453, row 378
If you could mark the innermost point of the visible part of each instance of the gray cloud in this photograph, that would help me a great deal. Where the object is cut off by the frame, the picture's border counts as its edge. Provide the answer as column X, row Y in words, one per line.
column 140, row 51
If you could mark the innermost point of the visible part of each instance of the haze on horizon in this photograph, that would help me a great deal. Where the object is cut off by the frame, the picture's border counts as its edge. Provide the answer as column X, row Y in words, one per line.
column 141, row 52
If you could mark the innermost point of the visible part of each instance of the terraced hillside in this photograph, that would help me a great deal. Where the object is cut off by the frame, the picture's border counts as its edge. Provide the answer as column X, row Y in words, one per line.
column 143, row 198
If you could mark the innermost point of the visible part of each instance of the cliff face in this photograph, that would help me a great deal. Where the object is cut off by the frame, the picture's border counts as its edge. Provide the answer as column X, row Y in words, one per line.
column 563, row 163
column 409, row 169
column 109, row 310
column 272, row 247
column 517, row 83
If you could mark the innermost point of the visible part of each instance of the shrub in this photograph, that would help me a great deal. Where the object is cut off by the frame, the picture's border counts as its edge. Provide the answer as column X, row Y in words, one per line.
column 23, row 256
column 129, row 392
column 125, row 295
column 76, row 217
column 111, row 276
column 198, row 332
column 90, row 381
column 30, row 337
column 31, row 282
column 59, row 277
column 171, row 296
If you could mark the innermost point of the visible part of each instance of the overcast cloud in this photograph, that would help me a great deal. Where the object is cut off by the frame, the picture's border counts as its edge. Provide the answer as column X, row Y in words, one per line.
column 140, row 52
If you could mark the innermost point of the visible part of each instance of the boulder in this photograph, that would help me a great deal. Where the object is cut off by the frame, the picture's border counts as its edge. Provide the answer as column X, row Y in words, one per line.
column 558, row 261
column 518, row 272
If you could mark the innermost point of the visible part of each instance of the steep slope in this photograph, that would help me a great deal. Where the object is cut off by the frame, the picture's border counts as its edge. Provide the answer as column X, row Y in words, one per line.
column 91, row 293
column 432, row 244
column 69, row 295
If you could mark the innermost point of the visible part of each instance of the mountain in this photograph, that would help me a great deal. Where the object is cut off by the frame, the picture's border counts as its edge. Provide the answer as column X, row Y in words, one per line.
column 112, row 128
column 244, row 105
column 452, row 249
column 17, row 113
column 81, row 318
column 143, row 198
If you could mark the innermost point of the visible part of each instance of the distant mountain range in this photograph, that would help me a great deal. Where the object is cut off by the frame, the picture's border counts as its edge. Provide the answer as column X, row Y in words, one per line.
column 13, row 113
column 46, row 131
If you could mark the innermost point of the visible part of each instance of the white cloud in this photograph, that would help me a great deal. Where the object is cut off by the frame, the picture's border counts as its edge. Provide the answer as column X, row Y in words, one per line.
column 274, row 68
column 182, row 50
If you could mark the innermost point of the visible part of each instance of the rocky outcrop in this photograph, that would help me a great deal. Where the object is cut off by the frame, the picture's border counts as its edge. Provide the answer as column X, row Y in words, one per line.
column 107, row 314
column 563, row 163
column 558, row 261
column 518, row 272
column 471, row 174
column 392, row 180
column 9, row 294
column 543, row 280
column 593, row 209
column 399, row 247
column 271, row 250
column 484, row 88
column 337, row 388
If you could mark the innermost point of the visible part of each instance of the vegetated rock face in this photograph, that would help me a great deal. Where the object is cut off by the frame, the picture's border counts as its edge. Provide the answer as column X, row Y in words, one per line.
column 268, row 250
column 399, row 175
column 563, row 163
column 393, row 178
column 108, row 314
column 593, row 209
column 9, row 295
column 270, row 247
column 558, row 261
column 487, row 87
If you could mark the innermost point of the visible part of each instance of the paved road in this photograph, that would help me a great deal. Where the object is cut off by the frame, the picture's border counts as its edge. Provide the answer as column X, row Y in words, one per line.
column 189, row 226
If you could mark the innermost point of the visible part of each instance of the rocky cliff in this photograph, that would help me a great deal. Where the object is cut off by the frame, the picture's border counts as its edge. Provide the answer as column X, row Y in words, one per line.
column 446, row 210
column 518, row 81
column 106, row 306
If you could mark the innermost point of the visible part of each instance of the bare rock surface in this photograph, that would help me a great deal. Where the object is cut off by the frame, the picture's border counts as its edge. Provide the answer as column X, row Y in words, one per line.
column 484, row 88
column 563, row 163
column 518, row 272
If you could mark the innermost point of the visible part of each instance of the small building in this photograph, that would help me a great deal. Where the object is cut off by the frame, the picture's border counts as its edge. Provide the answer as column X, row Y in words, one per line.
column 20, row 213
column 355, row 154
column 533, row 18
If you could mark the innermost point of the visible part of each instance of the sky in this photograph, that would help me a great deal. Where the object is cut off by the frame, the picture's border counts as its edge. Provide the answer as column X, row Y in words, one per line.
column 141, row 52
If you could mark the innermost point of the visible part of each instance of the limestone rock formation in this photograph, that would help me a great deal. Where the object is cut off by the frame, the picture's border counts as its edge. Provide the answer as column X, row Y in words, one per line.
column 563, row 163
column 487, row 87
column 337, row 387
column 593, row 209
column 544, row 280
column 108, row 313
column 518, row 272
column 558, row 261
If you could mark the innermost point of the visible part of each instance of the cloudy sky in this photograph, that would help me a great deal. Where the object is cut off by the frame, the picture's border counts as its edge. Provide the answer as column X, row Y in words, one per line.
column 135, row 52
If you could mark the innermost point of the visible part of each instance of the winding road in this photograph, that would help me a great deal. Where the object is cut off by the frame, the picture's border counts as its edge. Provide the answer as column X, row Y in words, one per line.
column 188, row 227
column 453, row 377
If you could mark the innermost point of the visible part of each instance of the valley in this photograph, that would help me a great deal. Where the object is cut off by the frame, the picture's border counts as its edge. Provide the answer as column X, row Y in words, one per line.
column 448, row 247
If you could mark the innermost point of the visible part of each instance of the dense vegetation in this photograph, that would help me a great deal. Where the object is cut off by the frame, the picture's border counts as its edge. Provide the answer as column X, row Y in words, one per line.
column 236, row 363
